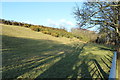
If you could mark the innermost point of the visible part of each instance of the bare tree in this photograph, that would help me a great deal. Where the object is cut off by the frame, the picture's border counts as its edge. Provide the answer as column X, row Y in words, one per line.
column 102, row 15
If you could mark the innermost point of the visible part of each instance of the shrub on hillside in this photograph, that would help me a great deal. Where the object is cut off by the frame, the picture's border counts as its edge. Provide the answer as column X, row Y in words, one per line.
column 45, row 32
column 25, row 25
column 35, row 28
column 55, row 34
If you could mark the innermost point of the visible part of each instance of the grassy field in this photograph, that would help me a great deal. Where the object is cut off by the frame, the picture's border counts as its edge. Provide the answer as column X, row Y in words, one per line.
column 34, row 55
column 22, row 32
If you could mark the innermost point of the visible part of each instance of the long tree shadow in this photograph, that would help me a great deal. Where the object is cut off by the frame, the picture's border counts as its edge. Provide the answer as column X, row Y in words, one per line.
column 84, row 71
column 101, row 48
column 88, row 69
column 92, row 73
column 107, row 61
column 103, row 73
column 92, row 69
column 63, row 68
column 20, row 55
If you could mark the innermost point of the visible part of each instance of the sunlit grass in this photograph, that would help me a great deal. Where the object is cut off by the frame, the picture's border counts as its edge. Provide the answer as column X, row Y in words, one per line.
column 28, row 33
column 29, row 54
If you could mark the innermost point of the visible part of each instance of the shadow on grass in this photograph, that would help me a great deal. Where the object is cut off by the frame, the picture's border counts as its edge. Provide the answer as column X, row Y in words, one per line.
column 91, row 69
column 101, row 48
column 56, row 71
column 62, row 68
column 22, row 55
column 88, row 69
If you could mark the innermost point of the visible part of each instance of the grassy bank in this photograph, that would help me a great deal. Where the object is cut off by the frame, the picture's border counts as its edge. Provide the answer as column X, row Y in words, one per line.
column 28, row 54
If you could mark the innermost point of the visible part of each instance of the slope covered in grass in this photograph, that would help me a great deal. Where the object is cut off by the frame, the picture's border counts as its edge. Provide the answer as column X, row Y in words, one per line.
column 23, row 32
column 56, row 32
column 28, row 54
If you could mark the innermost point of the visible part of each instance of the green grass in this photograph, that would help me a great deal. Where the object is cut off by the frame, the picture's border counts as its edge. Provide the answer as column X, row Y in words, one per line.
column 43, row 56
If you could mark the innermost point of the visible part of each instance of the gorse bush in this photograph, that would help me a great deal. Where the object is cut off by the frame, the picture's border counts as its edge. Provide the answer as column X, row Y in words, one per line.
column 55, row 34
column 35, row 28
column 40, row 28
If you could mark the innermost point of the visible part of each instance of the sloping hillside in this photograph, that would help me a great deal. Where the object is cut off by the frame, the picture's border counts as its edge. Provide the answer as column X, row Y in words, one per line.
column 33, row 55
column 56, row 32
column 23, row 32
column 81, row 34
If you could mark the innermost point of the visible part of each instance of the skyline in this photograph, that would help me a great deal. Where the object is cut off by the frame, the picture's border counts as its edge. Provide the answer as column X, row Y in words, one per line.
column 51, row 14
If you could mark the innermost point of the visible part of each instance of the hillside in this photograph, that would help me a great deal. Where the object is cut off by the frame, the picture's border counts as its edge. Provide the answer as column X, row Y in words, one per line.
column 16, row 31
column 77, row 33
column 34, row 55
column 40, row 28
